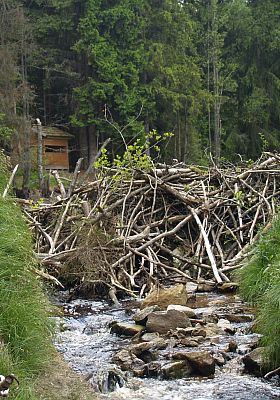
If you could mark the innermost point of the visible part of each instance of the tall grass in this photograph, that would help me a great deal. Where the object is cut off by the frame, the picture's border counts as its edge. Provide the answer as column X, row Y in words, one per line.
column 24, row 324
column 260, row 285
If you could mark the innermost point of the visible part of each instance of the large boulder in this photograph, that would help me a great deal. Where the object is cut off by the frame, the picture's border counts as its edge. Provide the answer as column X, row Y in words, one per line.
column 202, row 362
column 164, row 321
column 254, row 360
column 164, row 297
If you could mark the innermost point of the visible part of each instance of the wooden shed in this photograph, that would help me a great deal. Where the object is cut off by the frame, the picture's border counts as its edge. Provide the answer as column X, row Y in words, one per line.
column 55, row 146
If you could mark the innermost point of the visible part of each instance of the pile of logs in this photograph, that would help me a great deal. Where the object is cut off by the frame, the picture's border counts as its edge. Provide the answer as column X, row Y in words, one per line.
column 129, row 232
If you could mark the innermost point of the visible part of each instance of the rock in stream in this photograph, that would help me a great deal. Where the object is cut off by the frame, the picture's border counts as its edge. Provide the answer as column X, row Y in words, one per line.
column 167, row 360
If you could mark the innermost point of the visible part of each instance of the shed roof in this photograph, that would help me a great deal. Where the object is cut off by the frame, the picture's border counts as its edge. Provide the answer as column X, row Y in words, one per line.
column 52, row 131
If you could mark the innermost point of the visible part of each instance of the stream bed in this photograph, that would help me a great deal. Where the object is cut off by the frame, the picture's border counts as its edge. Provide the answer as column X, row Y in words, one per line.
column 85, row 341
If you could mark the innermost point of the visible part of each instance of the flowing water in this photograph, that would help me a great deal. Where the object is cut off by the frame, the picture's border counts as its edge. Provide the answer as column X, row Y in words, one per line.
column 88, row 346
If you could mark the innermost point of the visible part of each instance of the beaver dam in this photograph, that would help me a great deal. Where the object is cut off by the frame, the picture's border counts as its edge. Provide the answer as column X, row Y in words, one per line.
column 128, row 232
column 134, row 233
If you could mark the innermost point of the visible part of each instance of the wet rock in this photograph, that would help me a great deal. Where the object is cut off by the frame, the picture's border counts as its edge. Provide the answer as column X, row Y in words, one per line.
column 128, row 361
column 212, row 330
column 126, row 329
column 187, row 310
column 227, row 287
column 146, row 350
column 164, row 297
column 219, row 359
column 232, row 347
column 253, row 361
column 188, row 342
column 149, row 337
column 176, row 370
column 141, row 317
column 185, row 331
column 160, row 344
column 163, row 321
column 238, row 318
column 199, row 332
column 206, row 287
column 152, row 370
column 110, row 380
column 211, row 318
column 138, row 349
column 191, row 287
column 202, row 362
column 226, row 326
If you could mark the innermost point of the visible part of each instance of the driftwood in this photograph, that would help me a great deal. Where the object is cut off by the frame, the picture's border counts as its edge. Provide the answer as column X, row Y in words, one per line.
column 127, row 233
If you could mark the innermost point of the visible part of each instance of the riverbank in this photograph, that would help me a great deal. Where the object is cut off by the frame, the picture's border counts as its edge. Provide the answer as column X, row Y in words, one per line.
column 260, row 285
column 25, row 327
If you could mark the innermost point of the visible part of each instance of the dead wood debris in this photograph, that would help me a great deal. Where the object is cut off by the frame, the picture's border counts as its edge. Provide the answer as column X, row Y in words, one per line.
column 164, row 226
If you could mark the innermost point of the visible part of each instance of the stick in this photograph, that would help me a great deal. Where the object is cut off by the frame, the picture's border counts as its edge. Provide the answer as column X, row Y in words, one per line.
column 208, row 247
column 10, row 181
column 75, row 177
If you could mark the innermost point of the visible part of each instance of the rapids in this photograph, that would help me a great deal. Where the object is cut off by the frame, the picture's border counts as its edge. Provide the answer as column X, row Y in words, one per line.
column 84, row 339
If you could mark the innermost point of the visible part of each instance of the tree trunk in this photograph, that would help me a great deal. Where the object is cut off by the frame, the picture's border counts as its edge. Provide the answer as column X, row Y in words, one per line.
column 40, row 155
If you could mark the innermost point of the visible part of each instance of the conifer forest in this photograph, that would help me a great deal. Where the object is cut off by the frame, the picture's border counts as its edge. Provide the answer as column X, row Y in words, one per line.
column 206, row 70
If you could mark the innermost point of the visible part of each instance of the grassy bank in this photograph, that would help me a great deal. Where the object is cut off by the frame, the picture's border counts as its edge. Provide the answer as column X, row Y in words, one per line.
column 24, row 325
column 25, row 330
column 260, row 285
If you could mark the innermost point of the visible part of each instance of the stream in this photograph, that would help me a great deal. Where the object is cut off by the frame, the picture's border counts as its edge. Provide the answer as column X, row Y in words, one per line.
column 85, row 341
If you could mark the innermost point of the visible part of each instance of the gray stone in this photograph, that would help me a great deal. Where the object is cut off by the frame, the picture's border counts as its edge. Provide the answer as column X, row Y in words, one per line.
column 219, row 359
column 202, row 362
column 141, row 316
column 176, row 370
column 149, row 337
column 187, row 310
column 153, row 369
column 143, row 351
column 253, row 361
column 188, row 342
column 213, row 329
column 226, row 326
column 238, row 318
column 163, row 321
column 129, row 362
column 199, row 332
column 126, row 329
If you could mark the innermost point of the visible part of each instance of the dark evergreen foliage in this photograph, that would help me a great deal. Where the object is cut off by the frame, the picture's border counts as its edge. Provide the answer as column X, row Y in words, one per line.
column 206, row 70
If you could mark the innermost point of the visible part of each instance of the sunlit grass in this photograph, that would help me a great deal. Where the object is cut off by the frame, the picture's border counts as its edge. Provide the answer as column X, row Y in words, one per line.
column 260, row 285
column 24, row 324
